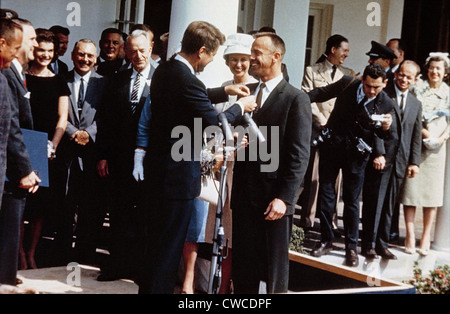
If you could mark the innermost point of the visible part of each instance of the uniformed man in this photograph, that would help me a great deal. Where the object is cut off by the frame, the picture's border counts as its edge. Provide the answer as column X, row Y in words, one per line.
column 327, row 70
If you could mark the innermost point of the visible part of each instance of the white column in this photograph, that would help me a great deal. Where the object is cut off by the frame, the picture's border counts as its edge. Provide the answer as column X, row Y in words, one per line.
column 221, row 13
column 442, row 231
column 291, row 23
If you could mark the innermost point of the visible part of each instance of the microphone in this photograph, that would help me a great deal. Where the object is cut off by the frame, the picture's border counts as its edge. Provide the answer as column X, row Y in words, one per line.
column 225, row 127
column 254, row 128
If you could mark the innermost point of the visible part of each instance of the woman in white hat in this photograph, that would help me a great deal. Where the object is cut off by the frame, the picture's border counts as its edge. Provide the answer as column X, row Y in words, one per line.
column 237, row 58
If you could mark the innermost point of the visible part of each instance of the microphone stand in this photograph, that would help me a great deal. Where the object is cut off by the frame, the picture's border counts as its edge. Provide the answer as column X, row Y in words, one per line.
column 215, row 274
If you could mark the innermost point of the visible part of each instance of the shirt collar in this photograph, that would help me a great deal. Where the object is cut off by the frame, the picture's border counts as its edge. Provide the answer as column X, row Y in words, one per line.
column 144, row 72
column 18, row 66
column 399, row 92
column 329, row 65
column 361, row 95
column 181, row 59
column 77, row 77
column 272, row 84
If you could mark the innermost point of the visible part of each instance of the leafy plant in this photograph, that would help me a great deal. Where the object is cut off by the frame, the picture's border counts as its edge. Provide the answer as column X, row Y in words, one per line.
column 436, row 283
column 297, row 238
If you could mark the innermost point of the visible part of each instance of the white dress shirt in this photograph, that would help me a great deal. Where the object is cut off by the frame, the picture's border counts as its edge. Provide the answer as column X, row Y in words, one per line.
column 77, row 82
column 270, row 86
column 143, row 80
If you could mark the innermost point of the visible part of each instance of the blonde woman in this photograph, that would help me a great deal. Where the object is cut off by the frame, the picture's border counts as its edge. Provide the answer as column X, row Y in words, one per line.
column 426, row 190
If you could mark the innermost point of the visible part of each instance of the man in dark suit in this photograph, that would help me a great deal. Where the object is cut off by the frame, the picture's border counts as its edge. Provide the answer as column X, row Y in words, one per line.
column 117, row 129
column 21, row 178
column 62, row 34
column 263, row 200
column 109, row 62
column 402, row 154
column 177, row 98
column 79, row 161
column 355, row 135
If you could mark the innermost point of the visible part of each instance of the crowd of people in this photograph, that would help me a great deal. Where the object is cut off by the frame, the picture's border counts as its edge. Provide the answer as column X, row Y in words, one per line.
column 110, row 119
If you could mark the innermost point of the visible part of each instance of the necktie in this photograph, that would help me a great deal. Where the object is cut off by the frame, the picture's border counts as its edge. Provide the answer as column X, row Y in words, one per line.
column 402, row 105
column 333, row 73
column 259, row 97
column 81, row 95
column 135, row 92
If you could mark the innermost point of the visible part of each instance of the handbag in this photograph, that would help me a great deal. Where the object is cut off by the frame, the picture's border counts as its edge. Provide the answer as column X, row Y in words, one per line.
column 210, row 190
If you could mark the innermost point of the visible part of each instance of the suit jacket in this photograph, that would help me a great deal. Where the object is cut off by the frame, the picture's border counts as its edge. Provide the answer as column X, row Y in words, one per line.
column 86, row 120
column 107, row 68
column 289, row 109
column 63, row 69
column 5, row 123
column 404, row 146
column 349, row 119
column 318, row 75
column 177, row 98
column 117, row 123
column 19, row 164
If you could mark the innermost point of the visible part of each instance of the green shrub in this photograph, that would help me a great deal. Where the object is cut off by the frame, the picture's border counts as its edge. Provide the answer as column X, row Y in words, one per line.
column 297, row 239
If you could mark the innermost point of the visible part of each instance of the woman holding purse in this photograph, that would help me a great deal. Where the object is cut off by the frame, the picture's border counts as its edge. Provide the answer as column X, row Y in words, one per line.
column 426, row 189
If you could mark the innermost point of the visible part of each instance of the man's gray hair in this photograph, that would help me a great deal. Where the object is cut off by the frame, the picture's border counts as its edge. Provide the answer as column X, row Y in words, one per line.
column 137, row 33
column 84, row 41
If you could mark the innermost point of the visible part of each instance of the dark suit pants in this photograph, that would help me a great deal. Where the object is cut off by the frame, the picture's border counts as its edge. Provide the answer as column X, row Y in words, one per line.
column 260, row 251
column 10, row 221
column 168, row 222
column 331, row 161
column 379, row 201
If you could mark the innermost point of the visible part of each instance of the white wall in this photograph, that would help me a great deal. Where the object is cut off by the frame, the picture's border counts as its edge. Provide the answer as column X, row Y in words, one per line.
column 94, row 17
column 221, row 13
column 291, row 23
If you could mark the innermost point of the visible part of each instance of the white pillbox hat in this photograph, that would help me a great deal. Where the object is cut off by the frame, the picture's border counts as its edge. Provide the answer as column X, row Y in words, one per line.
column 238, row 44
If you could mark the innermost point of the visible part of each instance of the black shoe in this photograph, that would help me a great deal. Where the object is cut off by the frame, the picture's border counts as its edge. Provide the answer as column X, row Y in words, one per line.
column 386, row 254
column 351, row 258
column 369, row 253
column 322, row 249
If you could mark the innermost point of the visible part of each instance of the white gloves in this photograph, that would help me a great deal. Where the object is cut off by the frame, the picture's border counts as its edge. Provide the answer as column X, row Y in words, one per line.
column 138, row 171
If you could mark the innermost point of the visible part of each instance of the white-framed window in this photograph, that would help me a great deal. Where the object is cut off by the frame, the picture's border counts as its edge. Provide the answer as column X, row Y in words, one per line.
column 319, row 30
column 129, row 13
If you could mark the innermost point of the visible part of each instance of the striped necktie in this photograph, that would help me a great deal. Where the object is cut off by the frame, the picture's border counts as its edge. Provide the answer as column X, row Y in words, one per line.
column 135, row 92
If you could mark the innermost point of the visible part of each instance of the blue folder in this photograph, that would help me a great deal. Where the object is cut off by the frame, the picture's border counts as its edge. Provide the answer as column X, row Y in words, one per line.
column 36, row 143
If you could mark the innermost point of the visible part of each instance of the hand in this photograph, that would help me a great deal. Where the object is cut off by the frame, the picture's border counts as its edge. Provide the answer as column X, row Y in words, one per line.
column 81, row 137
column 379, row 163
column 275, row 210
column 138, row 171
column 102, row 168
column 412, row 171
column 249, row 103
column 51, row 151
column 387, row 122
column 244, row 140
column 30, row 182
column 239, row 90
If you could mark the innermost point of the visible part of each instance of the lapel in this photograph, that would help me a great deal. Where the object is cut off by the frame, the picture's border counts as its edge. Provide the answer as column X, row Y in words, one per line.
column 18, row 76
column 272, row 99
column 324, row 73
column 72, row 97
